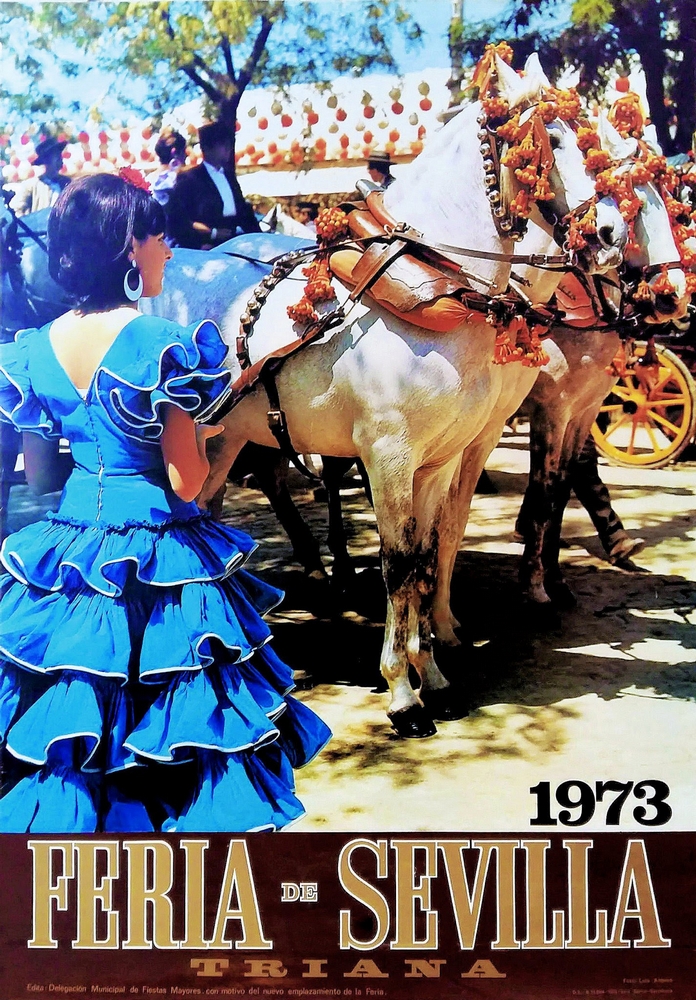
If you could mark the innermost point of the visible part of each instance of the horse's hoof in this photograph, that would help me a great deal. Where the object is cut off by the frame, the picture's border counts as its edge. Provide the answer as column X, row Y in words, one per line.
column 445, row 635
column 317, row 575
column 413, row 723
column 535, row 593
column 624, row 550
column 561, row 595
column 445, row 704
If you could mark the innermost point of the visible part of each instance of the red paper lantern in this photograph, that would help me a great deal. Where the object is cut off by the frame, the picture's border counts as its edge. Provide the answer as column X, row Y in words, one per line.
column 312, row 118
column 426, row 104
column 397, row 108
column 367, row 138
column 623, row 84
column 272, row 148
column 103, row 137
column 25, row 139
column 237, row 126
column 83, row 137
column 286, row 120
column 368, row 111
column 263, row 123
column 341, row 115
column 125, row 135
column 146, row 133
column 394, row 135
column 344, row 141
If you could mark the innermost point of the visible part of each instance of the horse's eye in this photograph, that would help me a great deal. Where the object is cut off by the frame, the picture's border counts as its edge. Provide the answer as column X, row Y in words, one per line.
column 555, row 141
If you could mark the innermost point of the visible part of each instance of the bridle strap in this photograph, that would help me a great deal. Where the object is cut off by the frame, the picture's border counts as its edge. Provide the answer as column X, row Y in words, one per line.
column 402, row 231
column 565, row 259
column 650, row 269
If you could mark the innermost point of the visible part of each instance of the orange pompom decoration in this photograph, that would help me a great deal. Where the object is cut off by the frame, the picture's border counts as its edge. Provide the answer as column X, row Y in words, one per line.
column 542, row 191
column 509, row 131
column 587, row 139
column 302, row 312
column 568, row 105
column 520, row 205
column 319, row 287
column 495, row 107
column 662, row 285
column 597, row 159
column 332, row 223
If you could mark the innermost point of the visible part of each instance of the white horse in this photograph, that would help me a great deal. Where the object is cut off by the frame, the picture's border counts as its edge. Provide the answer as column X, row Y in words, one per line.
column 408, row 402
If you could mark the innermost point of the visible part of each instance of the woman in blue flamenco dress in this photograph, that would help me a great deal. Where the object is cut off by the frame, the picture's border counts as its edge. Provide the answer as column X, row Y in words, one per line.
column 138, row 691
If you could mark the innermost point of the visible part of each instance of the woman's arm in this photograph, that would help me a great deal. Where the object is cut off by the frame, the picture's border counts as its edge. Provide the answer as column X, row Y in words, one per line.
column 183, row 448
column 45, row 467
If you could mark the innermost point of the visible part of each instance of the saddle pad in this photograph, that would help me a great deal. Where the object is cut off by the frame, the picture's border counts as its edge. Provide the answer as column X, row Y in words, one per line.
column 407, row 283
column 439, row 311
column 573, row 299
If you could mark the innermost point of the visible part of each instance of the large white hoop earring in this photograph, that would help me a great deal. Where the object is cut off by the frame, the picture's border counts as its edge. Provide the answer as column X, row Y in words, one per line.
column 133, row 294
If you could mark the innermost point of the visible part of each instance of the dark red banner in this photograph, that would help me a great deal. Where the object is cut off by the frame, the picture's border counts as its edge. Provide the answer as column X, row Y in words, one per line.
column 326, row 915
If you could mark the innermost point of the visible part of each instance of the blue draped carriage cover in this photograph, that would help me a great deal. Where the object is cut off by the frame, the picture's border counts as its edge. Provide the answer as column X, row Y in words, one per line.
column 131, row 638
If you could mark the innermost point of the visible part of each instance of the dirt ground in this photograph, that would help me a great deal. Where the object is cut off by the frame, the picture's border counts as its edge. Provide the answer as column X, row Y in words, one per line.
column 606, row 691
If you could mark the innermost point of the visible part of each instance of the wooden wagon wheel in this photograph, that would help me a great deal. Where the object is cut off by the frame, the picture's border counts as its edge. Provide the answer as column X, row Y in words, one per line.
column 648, row 424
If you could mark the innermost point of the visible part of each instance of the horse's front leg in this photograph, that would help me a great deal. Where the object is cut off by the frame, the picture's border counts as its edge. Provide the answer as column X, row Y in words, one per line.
column 431, row 502
column 461, row 492
column 541, row 498
column 392, row 477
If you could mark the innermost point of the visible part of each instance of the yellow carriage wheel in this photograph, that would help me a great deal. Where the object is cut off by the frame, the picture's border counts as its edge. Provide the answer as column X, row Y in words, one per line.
column 648, row 425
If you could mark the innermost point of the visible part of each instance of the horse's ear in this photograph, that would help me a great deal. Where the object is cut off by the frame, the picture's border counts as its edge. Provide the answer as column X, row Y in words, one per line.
column 534, row 72
column 613, row 142
column 510, row 85
column 650, row 139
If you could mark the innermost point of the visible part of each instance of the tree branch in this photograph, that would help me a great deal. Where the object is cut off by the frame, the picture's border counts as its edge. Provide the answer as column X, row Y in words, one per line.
column 227, row 52
column 249, row 66
column 212, row 92
column 215, row 95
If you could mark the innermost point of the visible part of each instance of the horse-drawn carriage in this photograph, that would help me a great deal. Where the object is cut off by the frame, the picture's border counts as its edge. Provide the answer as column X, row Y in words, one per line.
column 647, row 423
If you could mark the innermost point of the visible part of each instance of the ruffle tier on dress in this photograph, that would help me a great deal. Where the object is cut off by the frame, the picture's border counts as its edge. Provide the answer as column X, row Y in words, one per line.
column 140, row 644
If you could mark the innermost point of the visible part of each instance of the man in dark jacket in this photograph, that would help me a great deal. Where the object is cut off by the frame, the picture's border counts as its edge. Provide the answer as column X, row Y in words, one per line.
column 206, row 206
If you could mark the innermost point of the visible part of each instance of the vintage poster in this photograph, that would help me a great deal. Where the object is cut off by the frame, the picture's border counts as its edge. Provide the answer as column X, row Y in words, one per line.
column 506, row 806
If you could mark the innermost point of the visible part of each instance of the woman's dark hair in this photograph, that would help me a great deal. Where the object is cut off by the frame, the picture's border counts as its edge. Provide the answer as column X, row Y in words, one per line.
column 90, row 234
column 170, row 144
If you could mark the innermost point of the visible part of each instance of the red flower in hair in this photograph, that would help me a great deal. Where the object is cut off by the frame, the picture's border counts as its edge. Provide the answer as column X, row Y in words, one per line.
column 134, row 177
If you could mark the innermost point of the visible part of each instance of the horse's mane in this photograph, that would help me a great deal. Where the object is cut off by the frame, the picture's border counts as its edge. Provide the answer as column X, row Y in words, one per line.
column 437, row 188
column 445, row 181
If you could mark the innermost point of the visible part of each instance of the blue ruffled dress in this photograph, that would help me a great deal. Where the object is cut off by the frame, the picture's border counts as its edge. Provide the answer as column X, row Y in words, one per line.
column 137, row 687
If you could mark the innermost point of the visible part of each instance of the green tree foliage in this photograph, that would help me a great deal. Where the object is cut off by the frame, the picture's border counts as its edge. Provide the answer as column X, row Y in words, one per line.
column 216, row 48
column 601, row 36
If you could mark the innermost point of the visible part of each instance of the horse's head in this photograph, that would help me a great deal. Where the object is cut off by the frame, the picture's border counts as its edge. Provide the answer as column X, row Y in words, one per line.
column 652, row 256
column 569, row 188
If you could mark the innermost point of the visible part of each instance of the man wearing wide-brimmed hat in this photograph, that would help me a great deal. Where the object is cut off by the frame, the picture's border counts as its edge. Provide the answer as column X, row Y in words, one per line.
column 42, row 192
column 378, row 167
column 206, row 206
